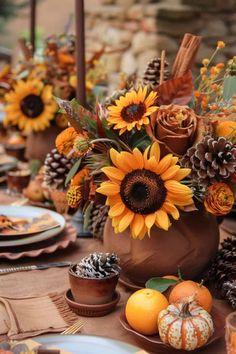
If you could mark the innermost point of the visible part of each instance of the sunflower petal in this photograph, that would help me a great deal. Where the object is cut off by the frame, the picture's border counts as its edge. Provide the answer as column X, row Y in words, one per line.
column 182, row 173
column 137, row 225
column 171, row 209
column 109, row 188
column 125, row 221
column 164, row 164
column 155, row 151
column 113, row 173
column 150, row 220
column 162, row 219
column 116, row 209
column 177, row 188
column 170, row 173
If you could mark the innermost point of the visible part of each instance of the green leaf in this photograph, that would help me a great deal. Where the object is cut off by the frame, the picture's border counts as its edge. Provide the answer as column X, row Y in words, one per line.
column 72, row 171
column 90, row 123
column 229, row 87
column 160, row 284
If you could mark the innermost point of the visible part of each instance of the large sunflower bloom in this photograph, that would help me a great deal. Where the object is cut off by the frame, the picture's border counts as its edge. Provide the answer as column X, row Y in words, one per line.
column 30, row 106
column 132, row 110
column 142, row 190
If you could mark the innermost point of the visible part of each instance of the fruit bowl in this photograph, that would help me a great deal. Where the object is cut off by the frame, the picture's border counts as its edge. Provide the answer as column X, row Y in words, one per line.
column 155, row 345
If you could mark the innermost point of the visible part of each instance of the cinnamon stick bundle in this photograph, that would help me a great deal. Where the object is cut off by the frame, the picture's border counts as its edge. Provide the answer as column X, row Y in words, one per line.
column 186, row 55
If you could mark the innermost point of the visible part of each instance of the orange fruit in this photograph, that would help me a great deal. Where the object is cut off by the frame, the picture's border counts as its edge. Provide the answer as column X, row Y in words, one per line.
column 142, row 310
column 188, row 288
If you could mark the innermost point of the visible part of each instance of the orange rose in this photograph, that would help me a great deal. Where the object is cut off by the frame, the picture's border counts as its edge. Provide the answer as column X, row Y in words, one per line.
column 176, row 126
column 220, row 199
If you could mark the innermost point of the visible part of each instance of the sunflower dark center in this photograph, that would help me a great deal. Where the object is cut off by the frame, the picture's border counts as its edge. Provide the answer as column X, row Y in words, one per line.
column 133, row 112
column 32, row 106
column 143, row 191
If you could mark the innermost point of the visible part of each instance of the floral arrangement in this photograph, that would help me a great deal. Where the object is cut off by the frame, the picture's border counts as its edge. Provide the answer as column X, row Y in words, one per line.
column 160, row 147
column 28, row 91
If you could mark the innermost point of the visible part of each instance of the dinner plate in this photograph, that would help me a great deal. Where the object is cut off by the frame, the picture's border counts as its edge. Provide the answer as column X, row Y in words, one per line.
column 84, row 344
column 31, row 212
column 154, row 344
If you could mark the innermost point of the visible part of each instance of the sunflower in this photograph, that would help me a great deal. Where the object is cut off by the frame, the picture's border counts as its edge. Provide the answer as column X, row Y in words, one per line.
column 132, row 110
column 30, row 106
column 142, row 190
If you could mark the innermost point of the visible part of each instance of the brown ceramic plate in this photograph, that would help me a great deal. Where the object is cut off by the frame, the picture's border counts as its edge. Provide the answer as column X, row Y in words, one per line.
column 91, row 310
column 155, row 345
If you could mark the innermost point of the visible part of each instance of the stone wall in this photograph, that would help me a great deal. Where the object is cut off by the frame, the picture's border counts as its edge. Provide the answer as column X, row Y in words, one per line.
column 138, row 30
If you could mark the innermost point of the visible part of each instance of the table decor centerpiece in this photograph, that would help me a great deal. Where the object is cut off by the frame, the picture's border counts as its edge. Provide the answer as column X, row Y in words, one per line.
column 161, row 157
column 28, row 99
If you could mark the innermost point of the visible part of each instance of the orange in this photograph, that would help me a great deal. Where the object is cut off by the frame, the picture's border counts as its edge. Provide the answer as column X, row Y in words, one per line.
column 188, row 288
column 142, row 310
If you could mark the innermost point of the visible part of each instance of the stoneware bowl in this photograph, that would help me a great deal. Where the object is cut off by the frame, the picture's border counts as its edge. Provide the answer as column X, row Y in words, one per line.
column 92, row 291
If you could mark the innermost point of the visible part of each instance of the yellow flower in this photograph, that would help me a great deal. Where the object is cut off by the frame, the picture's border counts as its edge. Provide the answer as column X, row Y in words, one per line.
column 30, row 106
column 220, row 199
column 220, row 45
column 143, row 189
column 73, row 196
column 205, row 61
column 132, row 110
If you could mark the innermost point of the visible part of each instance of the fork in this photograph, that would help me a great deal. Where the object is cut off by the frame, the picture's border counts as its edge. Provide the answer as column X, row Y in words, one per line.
column 76, row 327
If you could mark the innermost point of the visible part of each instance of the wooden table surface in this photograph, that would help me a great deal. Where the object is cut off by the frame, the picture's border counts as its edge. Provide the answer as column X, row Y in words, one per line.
column 109, row 325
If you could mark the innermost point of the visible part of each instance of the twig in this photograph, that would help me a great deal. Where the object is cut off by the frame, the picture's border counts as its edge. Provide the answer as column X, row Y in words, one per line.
column 162, row 66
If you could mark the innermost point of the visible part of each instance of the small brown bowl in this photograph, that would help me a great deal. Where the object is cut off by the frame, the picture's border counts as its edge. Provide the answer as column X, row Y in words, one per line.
column 91, row 310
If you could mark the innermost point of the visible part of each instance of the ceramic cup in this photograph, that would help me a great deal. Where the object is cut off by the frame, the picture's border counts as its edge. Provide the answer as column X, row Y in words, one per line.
column 17, row 180
column 92, row 291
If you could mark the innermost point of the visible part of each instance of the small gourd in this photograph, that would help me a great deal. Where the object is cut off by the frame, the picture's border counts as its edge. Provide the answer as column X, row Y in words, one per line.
column 185, row 326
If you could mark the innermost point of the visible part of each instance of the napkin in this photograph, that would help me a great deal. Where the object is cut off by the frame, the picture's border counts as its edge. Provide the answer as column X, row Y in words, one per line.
column 30, row 316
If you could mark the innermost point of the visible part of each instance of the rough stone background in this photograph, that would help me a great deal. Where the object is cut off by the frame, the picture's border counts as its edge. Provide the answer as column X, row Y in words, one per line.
column 137, row 30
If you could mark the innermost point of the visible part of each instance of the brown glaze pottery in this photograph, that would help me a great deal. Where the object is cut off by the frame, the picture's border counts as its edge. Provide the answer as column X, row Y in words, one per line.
column 92, row 291
column 154, row 344
column 190, row 244
column 92, row 310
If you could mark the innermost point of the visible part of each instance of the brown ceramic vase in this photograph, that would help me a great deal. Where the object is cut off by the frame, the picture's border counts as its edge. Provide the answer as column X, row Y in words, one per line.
column 40, row 143
column 92, row 291
column 190, row 244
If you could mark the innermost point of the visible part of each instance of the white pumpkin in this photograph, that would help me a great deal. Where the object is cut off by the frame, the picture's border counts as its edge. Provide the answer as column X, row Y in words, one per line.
column 185, row 326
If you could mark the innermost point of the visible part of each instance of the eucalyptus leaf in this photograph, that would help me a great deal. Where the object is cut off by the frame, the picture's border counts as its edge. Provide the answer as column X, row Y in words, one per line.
column 72, row 171
column 160, row 284
column 229, row 87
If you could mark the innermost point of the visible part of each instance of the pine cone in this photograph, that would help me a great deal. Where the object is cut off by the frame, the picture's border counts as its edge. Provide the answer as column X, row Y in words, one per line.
column 98, row 265
column 57, row 167
column 211, row 160
column 223, row 271
column 151, row 75
column 97, row 219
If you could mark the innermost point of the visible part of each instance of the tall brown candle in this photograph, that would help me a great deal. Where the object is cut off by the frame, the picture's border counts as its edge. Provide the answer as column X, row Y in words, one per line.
column 80, row 52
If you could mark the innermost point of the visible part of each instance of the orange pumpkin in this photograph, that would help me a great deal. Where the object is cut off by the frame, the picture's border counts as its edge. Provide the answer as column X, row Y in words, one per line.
column 185, row 326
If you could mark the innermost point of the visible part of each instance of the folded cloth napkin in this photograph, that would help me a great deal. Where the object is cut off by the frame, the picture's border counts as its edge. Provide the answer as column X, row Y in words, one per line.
column 27, row 317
